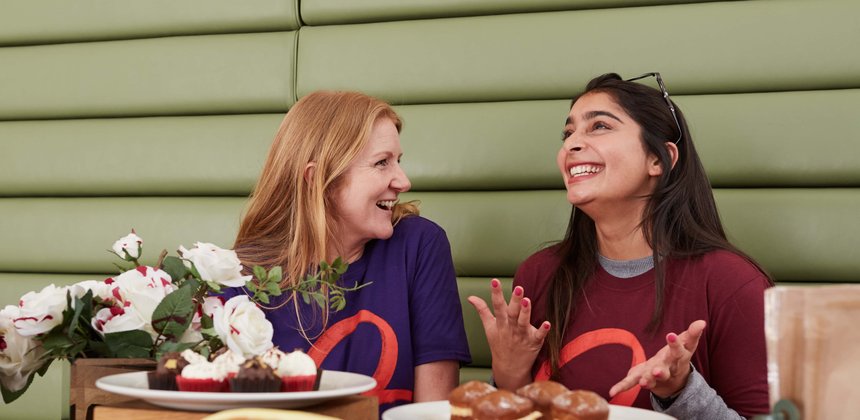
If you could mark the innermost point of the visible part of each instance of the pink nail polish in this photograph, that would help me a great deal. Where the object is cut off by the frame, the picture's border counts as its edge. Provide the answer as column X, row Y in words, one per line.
column 518, row 291
column 495, row 283
column 525, row 303
column 546, row 325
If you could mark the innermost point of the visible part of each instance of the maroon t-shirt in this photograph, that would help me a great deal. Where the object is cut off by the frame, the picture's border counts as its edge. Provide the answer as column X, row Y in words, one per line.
column 607, row 335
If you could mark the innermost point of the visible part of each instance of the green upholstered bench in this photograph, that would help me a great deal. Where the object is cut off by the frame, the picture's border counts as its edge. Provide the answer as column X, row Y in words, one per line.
column 112, row 119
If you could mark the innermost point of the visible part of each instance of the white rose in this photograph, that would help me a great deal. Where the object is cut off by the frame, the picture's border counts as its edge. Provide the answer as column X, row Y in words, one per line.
column 214, row 264
column 142, row 288
column 100, row 289
column 117, row 319
column 243, row 327
column 39, row 312
column 20, row 356
column 128, row 247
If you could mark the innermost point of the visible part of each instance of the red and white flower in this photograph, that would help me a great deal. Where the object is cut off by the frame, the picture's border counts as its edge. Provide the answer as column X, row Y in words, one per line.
column 141, row 290
column 20, row 355
column 215, row 264
column 39, row 312
column 128, row 247
column 243, row 327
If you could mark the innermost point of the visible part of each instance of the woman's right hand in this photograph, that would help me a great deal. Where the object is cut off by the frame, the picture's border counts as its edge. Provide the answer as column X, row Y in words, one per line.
column 514, row 342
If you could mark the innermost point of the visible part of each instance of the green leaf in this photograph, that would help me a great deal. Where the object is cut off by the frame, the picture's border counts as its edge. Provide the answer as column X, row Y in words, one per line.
column 263, row 298
column 174, row 313
column 305, row 297
column 214, row 286
column 175, row 268
column 206, row 321
column 260, row 273
column 9, row 396
column 276, row 274
column 82, row 312
column 168, row 347
column 320, row 299
column 135, row 343
column 57, row 343
column 98, row 348
column 42, row 370
column 273, row 289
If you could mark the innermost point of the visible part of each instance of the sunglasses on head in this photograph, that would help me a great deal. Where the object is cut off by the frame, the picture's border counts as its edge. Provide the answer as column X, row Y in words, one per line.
column 665, row 96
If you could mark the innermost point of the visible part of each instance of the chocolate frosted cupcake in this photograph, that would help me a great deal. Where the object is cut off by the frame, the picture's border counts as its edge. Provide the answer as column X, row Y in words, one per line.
column 504, row 405
column 255, row 375
column 164, row 376
column 462, row 396
column 579, row 405
column 541, row 393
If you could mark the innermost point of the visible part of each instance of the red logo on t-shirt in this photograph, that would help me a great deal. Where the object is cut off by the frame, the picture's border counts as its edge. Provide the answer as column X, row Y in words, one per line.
column 597, row 338
column 387, row 358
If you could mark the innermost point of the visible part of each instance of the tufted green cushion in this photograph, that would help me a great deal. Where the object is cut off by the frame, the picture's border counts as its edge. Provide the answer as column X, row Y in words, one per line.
column 244, row 73
column 47, row 21
column 702, row 48
column 327, row 12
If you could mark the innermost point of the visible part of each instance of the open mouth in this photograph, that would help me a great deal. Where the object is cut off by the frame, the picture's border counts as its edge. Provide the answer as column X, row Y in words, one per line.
column 584, row 170
column 386, row 204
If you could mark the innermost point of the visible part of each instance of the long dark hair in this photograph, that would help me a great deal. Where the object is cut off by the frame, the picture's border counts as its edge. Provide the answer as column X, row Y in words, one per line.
column 680, row 219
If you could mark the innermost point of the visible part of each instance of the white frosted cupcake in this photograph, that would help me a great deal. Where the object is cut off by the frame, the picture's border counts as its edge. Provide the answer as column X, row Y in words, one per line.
column 229, row 362
column 298, row 372
column 273, row 357
column 203, row 377
column 193, row 357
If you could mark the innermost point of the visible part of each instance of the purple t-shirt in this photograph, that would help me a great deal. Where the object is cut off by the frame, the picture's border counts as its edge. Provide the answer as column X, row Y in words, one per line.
column 408, row 316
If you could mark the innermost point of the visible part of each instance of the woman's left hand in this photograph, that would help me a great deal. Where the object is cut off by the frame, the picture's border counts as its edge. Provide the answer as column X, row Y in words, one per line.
column 666, row 373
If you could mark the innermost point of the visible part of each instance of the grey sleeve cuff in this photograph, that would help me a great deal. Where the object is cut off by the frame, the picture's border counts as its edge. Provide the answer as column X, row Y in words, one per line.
column 697, row 401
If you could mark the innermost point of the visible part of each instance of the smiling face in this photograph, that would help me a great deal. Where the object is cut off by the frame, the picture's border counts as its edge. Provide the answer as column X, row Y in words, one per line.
column 603, row 160
column 370, row 189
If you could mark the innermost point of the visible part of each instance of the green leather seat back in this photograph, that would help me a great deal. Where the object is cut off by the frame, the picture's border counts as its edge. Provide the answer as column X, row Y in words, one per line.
column 158, row 115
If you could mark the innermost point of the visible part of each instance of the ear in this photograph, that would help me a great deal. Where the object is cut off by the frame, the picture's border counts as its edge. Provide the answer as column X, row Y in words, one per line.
column 310, row 169
column 655, row 168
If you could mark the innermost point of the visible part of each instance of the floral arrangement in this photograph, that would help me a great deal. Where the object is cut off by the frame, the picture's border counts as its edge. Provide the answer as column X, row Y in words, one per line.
column 146, row 311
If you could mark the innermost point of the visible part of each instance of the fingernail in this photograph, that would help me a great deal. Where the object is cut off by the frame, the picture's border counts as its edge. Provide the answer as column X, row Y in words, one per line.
column 546, row 325
column 495, row 283
column 518, row 291
column 525, row 303
column 671, row 337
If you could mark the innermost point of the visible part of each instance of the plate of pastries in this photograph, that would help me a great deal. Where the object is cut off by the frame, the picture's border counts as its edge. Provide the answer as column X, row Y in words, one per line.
column 544, row 400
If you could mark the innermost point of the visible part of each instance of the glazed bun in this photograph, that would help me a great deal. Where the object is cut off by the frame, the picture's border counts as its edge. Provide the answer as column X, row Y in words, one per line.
column 462, row 396
column 503, row 405
column 579, row 405
column 541, row 393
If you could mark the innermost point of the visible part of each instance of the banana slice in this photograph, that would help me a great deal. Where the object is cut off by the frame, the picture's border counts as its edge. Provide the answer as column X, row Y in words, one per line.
column 265, row 414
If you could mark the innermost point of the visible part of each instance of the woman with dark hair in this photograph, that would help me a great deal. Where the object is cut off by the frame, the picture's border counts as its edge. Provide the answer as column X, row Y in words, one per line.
column 644, row 301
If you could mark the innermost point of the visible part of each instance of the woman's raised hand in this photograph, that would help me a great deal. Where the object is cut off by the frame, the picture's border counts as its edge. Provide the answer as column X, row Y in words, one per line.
column 514, row 342
column 666, row 373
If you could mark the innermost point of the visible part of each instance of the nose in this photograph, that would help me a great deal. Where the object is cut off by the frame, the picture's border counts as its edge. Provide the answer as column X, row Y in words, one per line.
column 573, row 143
column 400, row 182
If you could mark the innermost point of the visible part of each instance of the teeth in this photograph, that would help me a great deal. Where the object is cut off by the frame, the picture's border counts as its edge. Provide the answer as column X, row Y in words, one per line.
column 388, row 204
column 580, row 170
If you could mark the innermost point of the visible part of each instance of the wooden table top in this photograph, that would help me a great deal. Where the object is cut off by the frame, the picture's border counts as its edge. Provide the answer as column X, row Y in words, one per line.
column 356, row 407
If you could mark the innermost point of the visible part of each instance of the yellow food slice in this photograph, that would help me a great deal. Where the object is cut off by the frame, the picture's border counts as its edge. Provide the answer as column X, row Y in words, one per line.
column 265, row 414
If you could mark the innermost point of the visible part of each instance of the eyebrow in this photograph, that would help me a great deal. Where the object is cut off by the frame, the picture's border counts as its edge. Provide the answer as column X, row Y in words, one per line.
column 594, row 114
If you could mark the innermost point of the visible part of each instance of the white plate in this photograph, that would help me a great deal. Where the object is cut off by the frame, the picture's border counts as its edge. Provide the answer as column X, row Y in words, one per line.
column 440, row 410
column 333, row 384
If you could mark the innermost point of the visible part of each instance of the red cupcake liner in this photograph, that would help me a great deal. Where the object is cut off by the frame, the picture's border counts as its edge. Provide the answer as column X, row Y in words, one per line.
column 202, row 385
column 298, row 383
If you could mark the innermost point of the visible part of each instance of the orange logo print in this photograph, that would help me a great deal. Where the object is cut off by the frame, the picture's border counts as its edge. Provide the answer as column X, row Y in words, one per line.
column 597, row 338
column 387, row 358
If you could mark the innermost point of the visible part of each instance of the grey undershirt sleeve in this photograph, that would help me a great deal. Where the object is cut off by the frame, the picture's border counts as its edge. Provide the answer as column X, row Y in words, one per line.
column 697, row 401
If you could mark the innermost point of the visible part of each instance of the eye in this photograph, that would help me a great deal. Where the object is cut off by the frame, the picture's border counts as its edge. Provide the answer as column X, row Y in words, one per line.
column 599, row 125
column 383, row 162
column 565, row 134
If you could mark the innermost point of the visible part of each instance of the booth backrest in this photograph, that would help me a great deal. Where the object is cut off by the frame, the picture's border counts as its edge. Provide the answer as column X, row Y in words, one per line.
column 157, row 115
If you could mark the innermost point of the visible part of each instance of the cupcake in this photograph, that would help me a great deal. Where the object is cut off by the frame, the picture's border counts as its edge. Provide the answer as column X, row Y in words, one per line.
column 503, row 405
column 193, row 357
column 168, row 368
column 541, row 393
column 255, row 375
column 273, row 357
column 203, row 377
column 579, row 405
column 462, row 396
column 298, row 372
column 229, row 361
